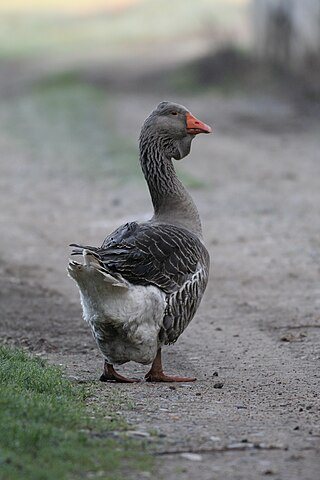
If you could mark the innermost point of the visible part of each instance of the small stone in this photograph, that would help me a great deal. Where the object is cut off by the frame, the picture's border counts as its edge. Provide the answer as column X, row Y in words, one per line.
column 287, row 337
column 296, row 428
column 239, row 446
column 215, row 374
column 138, row 433
column 194, row 457
column 218, row 385
column 75, row 379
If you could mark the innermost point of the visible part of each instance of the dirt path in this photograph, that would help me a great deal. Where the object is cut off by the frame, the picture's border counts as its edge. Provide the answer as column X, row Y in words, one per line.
column 254, row 344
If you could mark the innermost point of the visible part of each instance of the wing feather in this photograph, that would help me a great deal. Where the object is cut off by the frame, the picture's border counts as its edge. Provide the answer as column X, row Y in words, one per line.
column 166, row 256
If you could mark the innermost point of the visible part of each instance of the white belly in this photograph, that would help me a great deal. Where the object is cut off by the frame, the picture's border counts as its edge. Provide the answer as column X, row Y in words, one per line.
column 125, row 319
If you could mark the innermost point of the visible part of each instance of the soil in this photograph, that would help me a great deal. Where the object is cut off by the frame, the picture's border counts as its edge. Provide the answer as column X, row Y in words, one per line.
column 254, row 343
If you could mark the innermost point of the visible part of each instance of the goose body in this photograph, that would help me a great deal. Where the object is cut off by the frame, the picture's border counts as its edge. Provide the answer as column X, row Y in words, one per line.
column 142, row 287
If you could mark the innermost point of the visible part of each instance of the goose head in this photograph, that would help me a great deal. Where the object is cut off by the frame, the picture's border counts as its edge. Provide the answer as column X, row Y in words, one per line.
column 171, row 128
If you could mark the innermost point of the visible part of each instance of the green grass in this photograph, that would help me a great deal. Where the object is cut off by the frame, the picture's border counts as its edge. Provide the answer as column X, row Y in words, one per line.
column 47, row 431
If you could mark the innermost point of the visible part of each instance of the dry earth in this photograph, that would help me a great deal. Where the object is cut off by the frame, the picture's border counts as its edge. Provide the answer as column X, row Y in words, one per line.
column 254, row 344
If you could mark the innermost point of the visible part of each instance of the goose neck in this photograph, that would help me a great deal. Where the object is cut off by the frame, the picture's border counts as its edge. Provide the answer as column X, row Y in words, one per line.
column 171, row 201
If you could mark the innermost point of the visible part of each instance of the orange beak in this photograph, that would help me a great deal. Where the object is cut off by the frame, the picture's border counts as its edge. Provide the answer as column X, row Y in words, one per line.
column 195, row 126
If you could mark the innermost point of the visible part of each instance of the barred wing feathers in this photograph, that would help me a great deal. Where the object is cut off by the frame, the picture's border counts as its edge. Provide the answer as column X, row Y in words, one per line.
column 167, row 256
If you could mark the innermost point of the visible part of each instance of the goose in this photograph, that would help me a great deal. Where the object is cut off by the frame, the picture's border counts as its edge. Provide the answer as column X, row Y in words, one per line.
column 142, row 287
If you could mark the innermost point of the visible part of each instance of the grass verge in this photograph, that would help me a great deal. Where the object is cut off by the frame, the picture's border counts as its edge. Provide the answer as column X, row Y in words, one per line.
column 47, row 431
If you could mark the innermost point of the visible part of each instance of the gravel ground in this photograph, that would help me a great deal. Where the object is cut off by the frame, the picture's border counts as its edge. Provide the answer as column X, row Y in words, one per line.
column 254, row 344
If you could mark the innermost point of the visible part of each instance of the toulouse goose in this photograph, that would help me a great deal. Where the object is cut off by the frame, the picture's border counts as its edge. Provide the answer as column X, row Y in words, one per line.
column 142, row 287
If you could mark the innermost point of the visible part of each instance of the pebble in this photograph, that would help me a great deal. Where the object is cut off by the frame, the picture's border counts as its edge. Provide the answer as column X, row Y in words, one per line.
column 218, row 385
column 138, row 433
column 194, row 457
column 240, row 446
column 73, row 378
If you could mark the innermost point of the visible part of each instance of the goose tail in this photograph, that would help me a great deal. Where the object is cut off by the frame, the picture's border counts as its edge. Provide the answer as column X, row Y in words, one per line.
column 92, row 269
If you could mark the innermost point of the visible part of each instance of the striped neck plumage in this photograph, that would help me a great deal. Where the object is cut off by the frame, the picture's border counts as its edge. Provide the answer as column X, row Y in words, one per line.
column 171, row 202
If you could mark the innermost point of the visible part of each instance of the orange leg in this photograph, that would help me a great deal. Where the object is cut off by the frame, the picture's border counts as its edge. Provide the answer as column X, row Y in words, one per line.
column 110, row 375
column 156, row 374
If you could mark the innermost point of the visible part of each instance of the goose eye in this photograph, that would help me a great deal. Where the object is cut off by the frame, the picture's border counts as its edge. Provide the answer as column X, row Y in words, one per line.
column 174, row 113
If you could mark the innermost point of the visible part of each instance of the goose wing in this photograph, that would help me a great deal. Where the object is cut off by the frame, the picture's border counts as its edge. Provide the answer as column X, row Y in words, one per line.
column 167, row 256
column 158, row 254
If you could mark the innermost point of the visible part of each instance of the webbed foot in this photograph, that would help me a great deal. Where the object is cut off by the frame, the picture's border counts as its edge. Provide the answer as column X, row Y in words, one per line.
column 162, row 377
column 110, row 375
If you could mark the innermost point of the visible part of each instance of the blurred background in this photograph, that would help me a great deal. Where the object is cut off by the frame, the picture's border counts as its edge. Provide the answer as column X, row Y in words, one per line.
column 65, row 64
column 78, row 78
column 216, row 43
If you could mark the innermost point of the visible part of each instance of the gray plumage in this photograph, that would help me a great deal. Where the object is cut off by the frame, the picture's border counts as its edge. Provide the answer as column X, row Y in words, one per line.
column 164, row 256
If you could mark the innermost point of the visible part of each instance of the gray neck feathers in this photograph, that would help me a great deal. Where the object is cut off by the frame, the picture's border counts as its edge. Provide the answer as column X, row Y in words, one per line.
column 171, row 202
